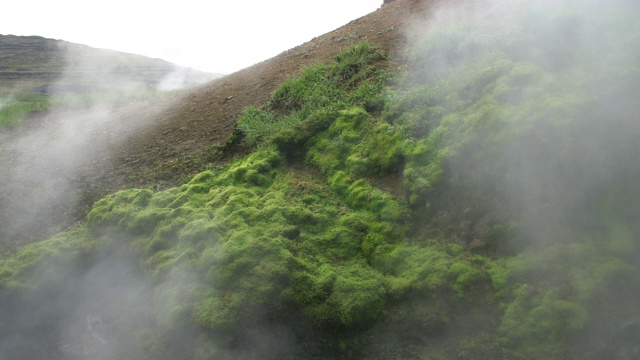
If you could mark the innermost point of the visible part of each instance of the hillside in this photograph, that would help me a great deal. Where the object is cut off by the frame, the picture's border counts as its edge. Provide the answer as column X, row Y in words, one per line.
column 61, row 82
column 435, row 180
column 37, row 65
column 181, row 132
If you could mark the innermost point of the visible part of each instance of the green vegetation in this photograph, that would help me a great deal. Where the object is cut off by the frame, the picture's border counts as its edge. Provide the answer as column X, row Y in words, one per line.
column 35, row 75
column 18, row 106
column 355, row 78
column 492, row 203
column 12, row 114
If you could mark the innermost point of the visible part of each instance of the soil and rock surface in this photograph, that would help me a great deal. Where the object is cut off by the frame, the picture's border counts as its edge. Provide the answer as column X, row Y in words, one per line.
column 157, row 142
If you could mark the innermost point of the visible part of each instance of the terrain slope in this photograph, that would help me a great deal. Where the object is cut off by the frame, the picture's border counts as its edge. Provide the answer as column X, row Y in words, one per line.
column 154, row 142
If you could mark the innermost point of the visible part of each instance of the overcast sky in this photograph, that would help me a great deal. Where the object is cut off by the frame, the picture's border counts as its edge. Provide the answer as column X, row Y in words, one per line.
column 215, row 36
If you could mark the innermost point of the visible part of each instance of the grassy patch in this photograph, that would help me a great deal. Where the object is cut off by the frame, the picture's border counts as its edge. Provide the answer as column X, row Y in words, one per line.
column 12, row 114
column 355, row 78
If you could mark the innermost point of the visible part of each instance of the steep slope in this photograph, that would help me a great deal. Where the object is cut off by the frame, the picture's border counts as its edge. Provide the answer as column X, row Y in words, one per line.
column 159, row 142
column 206, row 116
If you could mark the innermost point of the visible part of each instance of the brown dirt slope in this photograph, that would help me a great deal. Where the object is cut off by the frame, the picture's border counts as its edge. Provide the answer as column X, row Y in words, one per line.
column 161, row 141
column 206, row 116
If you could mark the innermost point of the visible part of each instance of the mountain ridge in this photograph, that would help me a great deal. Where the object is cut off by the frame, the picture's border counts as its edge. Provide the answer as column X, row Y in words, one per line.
column 31, row 64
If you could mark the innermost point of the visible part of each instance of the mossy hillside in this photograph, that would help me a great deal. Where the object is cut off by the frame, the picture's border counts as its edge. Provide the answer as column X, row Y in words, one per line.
column 351, row 148
column 518, row 150
column 377, row 212
column 510, row 132
column 554, row 294
column 283, row 239
column 519, row 214
column 508, row 94
column 258, row 241
column 453, row 134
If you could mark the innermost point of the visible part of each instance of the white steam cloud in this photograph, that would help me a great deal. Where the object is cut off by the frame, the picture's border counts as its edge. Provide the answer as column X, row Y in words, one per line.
column 46, row 163
column 555, row 136
column 46, row 159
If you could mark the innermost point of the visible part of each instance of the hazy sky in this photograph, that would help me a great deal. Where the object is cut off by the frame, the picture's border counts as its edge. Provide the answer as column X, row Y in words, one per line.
column 214, row 35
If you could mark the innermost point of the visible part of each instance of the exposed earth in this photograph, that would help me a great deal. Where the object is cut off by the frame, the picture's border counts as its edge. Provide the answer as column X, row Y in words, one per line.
column 161, row 141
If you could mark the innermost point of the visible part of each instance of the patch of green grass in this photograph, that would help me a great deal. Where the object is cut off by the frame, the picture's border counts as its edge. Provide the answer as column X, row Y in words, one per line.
column 355, row 78
column 13, row 113
column 47, row 260
column 14, row 110
column 258, row 126
column 540, row 322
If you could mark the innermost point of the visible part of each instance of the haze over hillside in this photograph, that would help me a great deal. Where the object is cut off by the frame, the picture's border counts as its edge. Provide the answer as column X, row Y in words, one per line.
column 75, row 91
column 157, row 142
column 36, row 65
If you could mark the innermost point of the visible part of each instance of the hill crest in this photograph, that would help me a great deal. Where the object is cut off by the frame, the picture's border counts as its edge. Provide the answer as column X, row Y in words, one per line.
column 38, row 65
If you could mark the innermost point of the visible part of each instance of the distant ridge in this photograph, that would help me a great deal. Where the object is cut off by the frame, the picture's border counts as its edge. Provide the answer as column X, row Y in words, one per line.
column 37, row 65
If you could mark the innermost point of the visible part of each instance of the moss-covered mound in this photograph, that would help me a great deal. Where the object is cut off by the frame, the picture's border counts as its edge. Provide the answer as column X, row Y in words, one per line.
column 481, row 206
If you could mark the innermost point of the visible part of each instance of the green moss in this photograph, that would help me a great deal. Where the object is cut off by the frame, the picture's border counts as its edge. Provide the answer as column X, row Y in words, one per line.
column 216, row 311
column 355, row 142
column 46, row 260
column 499, row 277
column 466, row 277
column 541, row 318
column 298, row 107
column 117, row 208
column 350, row 295
column 255, row 244
column 412, row 268
column 358, row 296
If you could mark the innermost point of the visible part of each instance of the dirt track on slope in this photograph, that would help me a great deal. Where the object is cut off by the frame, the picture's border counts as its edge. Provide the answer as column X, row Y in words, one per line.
column 162, row 141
